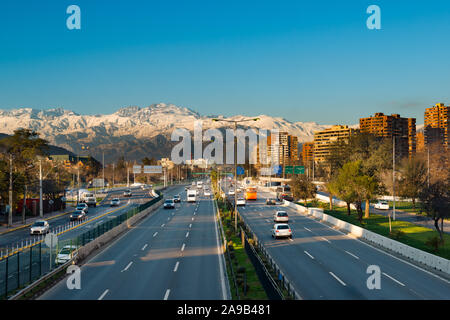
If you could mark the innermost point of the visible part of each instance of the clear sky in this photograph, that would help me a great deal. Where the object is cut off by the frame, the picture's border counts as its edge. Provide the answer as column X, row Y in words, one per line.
column 301, row 60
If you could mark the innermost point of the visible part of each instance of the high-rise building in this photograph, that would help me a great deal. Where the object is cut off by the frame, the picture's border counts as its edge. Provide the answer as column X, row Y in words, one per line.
column 307, row 153
column 324, row 140
column 437, row 125
column 420, row 145
column 403, row 129
column 281, row 149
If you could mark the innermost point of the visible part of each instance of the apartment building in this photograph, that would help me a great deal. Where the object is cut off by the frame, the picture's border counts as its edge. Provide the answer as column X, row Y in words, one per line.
column 281, row 149
column 307, row 153
column 437, row 125
column 324, row 140
column 390, row 126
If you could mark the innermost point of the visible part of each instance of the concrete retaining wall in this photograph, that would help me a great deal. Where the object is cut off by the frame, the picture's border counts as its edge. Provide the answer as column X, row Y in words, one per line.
column 414, row 254
column 105, row 238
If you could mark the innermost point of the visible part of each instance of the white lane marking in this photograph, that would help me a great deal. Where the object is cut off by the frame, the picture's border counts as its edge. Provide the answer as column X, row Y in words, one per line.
column 162, row 226
column 393, row 279
column 194, row 213
column 103, row 294
column 267, row 220
column 168, row 219
column 145, row 246
column 187, row 234
column 166, row 296
column 353, row 255
column 126, row 268
column 192, row 218
column 308, row 254
column 325, row 239
column 334, row 276
column 173, row 213
column 182, row 247
column 154, row 235
column 307, row 229
column 176, row 266
column 190, row 225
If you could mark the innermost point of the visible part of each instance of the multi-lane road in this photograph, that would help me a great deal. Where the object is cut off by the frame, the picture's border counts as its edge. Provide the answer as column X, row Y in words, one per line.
column 20, row 236
column 171, row 254
column 323, row 263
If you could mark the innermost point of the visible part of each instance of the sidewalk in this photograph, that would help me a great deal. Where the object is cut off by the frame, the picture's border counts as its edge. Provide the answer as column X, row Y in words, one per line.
column 17, row 224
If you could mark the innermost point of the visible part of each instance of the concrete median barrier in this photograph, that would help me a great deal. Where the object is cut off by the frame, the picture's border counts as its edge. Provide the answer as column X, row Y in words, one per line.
column 419, row 256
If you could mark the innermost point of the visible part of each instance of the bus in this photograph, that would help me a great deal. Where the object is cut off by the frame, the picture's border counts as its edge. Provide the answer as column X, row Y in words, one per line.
column 250, row 193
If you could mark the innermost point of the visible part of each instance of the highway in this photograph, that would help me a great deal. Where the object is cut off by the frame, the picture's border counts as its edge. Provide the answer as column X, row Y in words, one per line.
column 21, row 235
column 323, row 263
column 171, row 254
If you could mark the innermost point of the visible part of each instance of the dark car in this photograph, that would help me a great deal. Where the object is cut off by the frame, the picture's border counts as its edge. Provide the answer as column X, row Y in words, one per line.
column 78, row 215
column 271, row 201
column 176, row 198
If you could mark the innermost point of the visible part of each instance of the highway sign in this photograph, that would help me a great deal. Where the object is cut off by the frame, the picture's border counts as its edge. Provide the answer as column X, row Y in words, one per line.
column 152, row 169
column 289, row 169
column 299, row 170
column 137, row 169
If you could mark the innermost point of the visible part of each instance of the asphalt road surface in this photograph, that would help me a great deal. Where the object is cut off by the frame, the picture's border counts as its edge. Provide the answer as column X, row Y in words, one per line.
column 323, row 263
column 172, row 254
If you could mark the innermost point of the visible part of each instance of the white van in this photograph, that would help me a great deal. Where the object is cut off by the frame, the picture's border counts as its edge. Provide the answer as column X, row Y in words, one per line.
column 191, row 195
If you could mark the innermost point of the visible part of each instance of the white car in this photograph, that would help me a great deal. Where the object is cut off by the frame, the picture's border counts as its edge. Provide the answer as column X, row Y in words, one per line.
column 66, row 254
column 281, row 230
column 382, row 205
column 240, row 202
column 115, row 202
column 207, row 193
column 231, row 193
column 281, row 216
column 40, row 227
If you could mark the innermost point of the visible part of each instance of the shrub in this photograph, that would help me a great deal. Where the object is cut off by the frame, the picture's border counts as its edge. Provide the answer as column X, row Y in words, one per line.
column 434, row 243
column 397, row 234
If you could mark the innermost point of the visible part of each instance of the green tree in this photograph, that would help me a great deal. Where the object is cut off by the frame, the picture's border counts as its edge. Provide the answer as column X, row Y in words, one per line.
column 303, row 188
column 344, row 184
column 413, row 174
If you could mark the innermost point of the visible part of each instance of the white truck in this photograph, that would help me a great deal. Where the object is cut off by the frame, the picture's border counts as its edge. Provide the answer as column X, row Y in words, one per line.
column 191, row 195
column 89, row 198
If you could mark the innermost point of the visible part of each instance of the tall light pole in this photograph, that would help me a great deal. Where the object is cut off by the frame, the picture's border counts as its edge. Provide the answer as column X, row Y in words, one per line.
column 10, row 192
column 235, row 122
column 41, row 202
column 393, row 172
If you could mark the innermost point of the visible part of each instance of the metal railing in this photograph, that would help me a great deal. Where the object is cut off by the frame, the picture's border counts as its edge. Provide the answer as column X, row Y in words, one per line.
column 33, row 261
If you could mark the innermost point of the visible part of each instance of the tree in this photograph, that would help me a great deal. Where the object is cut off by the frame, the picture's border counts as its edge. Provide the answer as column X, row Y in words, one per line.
column 342, row 184
column 303, row 188
column 435, row 202
column 413, row 173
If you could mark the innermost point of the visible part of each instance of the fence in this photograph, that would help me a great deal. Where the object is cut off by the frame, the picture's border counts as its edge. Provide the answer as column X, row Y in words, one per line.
column 31, row 262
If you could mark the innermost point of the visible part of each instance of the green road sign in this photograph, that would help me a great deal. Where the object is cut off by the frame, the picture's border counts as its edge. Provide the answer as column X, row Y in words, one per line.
column 288, row 169
column 299, row 170
column 201, row 172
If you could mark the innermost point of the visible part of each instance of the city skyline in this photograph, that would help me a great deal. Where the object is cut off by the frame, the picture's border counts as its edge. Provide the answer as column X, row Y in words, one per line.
column 294, row 60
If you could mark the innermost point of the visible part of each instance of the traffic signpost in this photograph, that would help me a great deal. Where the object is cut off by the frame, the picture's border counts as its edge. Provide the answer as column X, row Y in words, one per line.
column 299, row 170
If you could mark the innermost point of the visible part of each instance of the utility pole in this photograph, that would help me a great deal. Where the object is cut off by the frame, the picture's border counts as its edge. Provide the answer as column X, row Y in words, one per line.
column 113, row 177
column 41, row 202
column 10, row 192
column 103, row 163
column 128, row 176
column 393, row 175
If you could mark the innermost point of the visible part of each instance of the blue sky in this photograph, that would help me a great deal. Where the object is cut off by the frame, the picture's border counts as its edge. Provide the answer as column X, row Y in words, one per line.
column 301, row 60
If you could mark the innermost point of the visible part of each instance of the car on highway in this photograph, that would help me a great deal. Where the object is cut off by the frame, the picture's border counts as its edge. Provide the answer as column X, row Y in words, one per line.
column 231, row 193
column 78, row 215
column 82, row 206
column 240, row 202
column 65, row 254
column 169, row 204
column 176, row 198
column 207, row 193
column 382, row 205
column 280, row 216
column 127, row 193
column 271, row 201
column 40, row 227
column 115, row 202
column 281, row 230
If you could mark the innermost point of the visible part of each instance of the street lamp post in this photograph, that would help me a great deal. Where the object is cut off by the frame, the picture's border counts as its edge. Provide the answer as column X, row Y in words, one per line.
column 393, row 172
column 235, row 122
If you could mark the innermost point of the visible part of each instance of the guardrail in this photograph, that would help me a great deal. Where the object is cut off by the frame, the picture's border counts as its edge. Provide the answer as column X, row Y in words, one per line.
column 422, row 257
column 284, row 281
column 32, row 263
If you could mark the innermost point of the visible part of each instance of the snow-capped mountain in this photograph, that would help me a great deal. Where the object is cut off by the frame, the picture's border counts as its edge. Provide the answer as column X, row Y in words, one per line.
column 130, row 130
